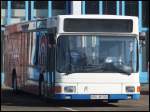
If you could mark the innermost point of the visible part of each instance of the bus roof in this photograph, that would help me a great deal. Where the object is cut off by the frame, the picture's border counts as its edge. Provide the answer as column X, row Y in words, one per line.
column 98, row 16
column 32, row 25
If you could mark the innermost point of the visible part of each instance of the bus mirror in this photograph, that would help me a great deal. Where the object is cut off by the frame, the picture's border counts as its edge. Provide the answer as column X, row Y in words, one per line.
column 142, row 38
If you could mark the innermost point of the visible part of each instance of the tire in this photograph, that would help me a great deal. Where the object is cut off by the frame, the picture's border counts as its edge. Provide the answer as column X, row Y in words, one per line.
column 14, row 80
column 41, row 87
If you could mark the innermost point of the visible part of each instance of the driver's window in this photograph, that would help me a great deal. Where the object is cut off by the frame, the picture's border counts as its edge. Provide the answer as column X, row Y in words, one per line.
column 113, row 49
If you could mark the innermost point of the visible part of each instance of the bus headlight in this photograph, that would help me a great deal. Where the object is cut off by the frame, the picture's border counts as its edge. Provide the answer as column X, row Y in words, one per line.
column 130, row 89
column 70, row 89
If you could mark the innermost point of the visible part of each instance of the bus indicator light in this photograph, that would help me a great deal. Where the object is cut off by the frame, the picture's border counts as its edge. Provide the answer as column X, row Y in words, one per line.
column 138, row 88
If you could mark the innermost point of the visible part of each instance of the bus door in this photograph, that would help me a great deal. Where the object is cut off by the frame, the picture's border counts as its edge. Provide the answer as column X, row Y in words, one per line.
column 50, row 65
column 46, row 59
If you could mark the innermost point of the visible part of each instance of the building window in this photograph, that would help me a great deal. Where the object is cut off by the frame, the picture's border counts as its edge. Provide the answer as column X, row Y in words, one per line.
column 41, row 5
column 109, row 7
column 145, row 13
column 92, row 7
column 41, row 9
column 4, row 4
column 58, row 4
column 18, row 4
column 131, row 8
column 59, row 8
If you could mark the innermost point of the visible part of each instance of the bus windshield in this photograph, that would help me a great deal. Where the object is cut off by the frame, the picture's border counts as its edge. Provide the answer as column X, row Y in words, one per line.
column 96, row 54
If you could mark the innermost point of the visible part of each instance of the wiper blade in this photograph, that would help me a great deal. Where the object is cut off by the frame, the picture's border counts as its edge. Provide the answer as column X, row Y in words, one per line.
column 123, row 69
column 93, row 68
column 69, row 70
column 67, row 73
column 118, row 68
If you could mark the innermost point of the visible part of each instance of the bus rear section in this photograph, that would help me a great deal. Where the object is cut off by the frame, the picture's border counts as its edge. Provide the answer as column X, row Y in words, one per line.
column 97, row 58
column 29, row 57
column 15, row 56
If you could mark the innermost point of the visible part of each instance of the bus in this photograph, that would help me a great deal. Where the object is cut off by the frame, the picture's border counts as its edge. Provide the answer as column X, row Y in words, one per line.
column 69, row 57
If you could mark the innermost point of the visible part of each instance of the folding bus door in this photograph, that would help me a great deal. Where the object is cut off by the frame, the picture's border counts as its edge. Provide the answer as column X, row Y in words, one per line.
column 46, row 61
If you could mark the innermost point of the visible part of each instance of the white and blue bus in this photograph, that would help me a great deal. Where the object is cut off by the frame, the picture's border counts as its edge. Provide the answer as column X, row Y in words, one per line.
column 75, row 57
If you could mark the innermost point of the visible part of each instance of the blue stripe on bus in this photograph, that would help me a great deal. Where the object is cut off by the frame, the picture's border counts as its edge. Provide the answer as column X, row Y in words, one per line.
column 87, row 96
column 124, row 96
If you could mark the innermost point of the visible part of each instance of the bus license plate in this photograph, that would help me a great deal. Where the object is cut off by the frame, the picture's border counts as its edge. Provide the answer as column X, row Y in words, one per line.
column 99, row 96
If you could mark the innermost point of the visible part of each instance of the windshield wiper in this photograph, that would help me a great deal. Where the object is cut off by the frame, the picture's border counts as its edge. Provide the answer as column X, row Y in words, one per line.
column 69, row 69
column 67, row 73
column 102, row 68
column 122, row 68
column 91, row 68
column 105, row 67
column 85, row 69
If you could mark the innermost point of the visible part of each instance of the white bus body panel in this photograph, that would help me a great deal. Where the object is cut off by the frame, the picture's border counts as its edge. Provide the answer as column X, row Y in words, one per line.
column 98, row 83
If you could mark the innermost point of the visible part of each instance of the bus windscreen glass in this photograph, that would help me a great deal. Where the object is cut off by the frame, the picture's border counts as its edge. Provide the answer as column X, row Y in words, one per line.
column 98, row 25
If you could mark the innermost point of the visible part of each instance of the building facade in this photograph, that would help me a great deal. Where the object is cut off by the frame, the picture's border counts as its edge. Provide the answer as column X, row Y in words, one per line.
column 18, row 11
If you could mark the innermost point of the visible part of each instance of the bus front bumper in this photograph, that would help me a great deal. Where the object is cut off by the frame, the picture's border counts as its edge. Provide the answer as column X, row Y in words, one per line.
column 88, row 96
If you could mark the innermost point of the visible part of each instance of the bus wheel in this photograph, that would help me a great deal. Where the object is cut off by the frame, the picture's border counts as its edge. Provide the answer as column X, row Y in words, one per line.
column 41, row 87
column 14, row 80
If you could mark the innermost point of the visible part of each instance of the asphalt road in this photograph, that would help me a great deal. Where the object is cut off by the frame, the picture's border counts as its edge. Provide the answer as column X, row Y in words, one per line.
column 26, row 102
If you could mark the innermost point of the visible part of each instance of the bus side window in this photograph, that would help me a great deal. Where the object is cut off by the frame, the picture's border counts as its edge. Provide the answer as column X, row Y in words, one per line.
column 51, row 52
